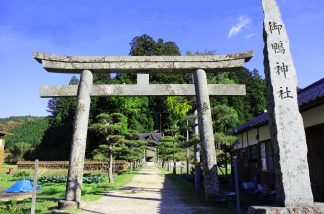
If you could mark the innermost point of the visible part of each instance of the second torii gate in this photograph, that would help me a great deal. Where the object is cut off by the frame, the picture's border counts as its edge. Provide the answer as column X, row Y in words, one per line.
column 142, row 66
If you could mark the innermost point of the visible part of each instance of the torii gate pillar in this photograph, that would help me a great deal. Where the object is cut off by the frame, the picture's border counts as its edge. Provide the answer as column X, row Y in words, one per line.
column 79, row 138
column 209, row 161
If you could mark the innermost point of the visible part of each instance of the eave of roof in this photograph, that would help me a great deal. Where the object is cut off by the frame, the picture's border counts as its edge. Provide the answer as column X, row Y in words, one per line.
column 308, row 96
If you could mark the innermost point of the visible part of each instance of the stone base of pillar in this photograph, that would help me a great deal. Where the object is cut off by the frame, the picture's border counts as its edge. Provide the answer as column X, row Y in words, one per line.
column 317, row 208
column 67, row 205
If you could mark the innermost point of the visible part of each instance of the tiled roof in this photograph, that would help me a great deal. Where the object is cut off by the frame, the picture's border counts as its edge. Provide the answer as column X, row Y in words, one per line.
column 311, row 93
column 306, row 96
column 155, row 136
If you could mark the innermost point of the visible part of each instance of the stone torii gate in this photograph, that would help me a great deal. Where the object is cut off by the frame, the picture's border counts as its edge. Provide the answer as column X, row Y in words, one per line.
column 142, row 66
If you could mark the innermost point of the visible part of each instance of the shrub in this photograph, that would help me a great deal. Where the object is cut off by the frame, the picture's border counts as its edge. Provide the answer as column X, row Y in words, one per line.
column 62, row 179
column 53, row 179
column 21, row 174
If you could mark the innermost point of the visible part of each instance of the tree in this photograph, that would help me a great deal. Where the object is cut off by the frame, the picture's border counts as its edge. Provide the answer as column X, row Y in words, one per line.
column 110, row 129
column 18, row 150
column 225, row 143
column 30, row 131
column 56, row 142
column 177, row 107
column 146, row 46
column 225, row 117
column 168, row 149
column 131, row 149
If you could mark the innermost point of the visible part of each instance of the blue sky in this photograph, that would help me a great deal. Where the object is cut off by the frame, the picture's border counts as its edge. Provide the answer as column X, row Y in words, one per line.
column 106, row 27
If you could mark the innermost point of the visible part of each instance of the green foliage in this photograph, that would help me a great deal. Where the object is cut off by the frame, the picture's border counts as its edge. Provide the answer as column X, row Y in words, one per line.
column 178, row 108
column 97, row 179
column 56, row 143
column 109, row 130
column 53, row 179
column 20, row 174
column 62, row 179
column 19, row 150
column 146, row 46
column 254, row 102
column 224, row 117
column 224, row 140
column 168, row 148
column 31, row 132
column 48, row 195
column 11, row 207
column 131, row 150
column 101, row 153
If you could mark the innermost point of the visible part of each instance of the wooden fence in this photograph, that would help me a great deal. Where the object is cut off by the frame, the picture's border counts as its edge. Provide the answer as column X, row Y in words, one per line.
column 118, row 165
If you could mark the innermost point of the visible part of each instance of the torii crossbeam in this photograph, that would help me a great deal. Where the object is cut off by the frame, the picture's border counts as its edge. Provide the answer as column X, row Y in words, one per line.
column 142, row 66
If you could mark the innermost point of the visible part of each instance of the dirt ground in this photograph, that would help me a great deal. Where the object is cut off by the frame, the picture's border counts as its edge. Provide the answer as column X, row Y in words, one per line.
column 148, row 192
column 18, row 196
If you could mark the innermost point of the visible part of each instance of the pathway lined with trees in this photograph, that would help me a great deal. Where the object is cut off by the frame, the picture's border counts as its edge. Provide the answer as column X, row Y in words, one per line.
column 150, row 191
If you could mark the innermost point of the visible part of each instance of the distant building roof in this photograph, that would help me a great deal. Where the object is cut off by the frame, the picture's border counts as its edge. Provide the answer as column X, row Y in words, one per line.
column 155, row 136
column 307, row 96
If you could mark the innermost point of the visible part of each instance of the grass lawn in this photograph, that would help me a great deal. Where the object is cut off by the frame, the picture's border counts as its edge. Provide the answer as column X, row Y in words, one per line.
column 190, row 197
column 50, row 193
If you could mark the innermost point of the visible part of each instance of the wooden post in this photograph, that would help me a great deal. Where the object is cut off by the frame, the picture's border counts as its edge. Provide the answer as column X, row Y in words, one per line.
column 187, row 150
column 33, row 207
column 237, row 190
column 2, row 143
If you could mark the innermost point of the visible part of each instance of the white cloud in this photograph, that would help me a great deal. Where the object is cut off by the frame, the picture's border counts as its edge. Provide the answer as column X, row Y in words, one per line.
column 242, row 22
column 250, row 35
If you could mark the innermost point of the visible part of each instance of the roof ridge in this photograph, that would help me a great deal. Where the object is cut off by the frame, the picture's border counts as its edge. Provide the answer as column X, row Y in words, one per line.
column 303, row 100
column 321, row 81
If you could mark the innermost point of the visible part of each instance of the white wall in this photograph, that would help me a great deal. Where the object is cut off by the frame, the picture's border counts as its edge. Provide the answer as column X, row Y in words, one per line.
column 313, row 116
column 252, row 134
column 245, row 143
column 239, row 144
column 264, row 133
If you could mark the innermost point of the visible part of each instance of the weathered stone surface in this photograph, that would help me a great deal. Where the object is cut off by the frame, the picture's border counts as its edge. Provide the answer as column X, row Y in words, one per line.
column 142, row 90
column 79, row 137
column 316, row 209
column 198, row 171
column 286, row 125
column 93, row 59
column 211, row 181
column 140, row 64
column 67, row 205
column 143, row 79
column 134, row 67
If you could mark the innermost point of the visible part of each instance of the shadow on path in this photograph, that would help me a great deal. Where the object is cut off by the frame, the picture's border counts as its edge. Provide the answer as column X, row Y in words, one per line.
column 150, row 191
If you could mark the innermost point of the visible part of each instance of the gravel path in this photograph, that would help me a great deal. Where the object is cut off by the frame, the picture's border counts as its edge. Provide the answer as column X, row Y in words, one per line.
column 148, row 192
